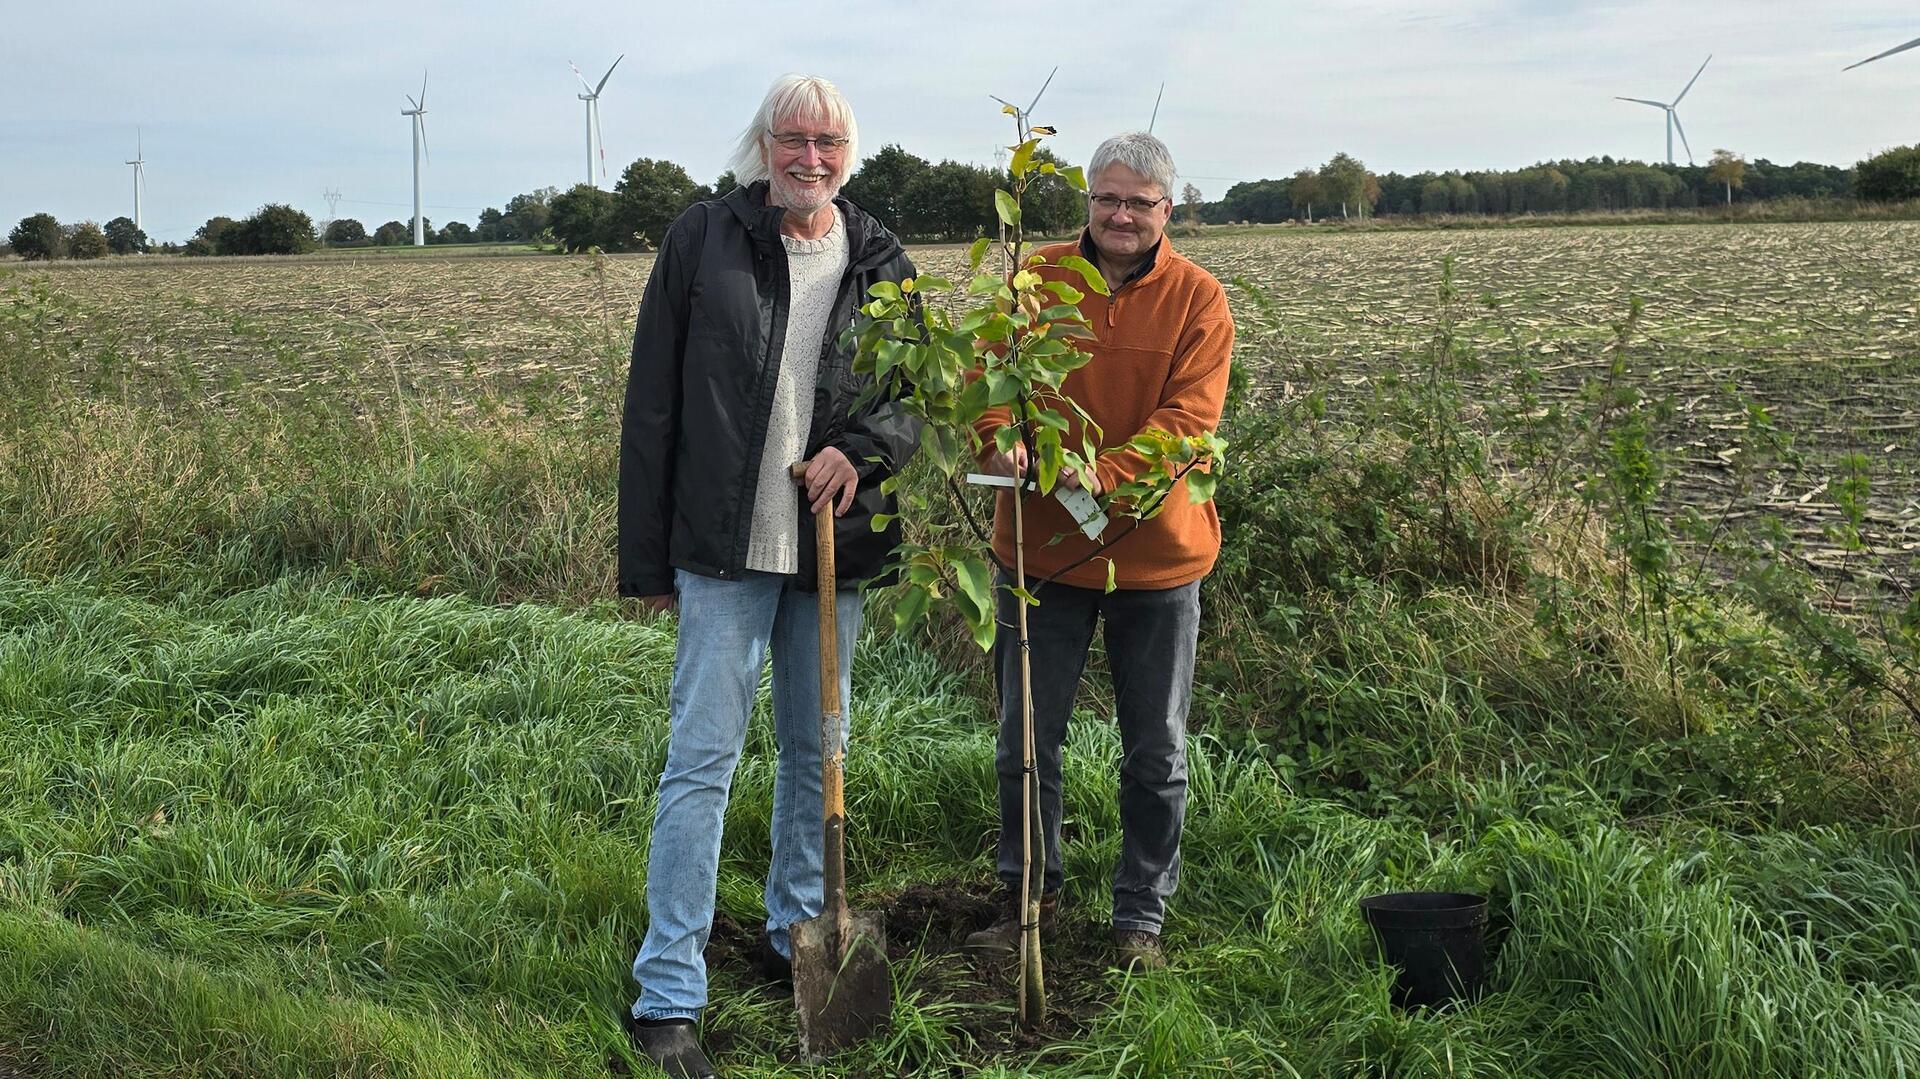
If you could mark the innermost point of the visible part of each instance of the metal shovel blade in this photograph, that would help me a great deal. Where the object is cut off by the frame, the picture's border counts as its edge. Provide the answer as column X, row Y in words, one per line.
column 841, row 998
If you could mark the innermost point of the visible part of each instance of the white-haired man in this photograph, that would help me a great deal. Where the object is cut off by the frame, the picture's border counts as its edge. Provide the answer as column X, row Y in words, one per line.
column 738, row 373
column 1160, row 360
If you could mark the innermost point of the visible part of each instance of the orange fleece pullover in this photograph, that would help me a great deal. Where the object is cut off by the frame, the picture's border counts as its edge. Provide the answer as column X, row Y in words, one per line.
column 1160, row 359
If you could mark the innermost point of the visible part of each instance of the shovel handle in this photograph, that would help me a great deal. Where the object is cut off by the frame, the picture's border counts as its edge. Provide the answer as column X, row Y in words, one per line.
column 832, row 786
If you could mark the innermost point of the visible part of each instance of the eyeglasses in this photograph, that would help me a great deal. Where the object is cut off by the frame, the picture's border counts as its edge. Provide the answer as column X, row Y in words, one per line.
column 826, row 144
column 1112, row 203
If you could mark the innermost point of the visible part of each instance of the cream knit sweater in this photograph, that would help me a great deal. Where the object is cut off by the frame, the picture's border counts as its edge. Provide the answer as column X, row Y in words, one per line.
column 814, row 269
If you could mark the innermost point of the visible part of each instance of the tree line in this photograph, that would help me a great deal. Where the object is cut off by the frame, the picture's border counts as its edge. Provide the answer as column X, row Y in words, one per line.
column 1345, row 187
column 953, row 201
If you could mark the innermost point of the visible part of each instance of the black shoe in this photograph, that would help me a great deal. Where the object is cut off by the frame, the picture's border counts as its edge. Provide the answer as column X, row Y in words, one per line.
column 672, row 1047
column 1003, row 936
column 774, row 967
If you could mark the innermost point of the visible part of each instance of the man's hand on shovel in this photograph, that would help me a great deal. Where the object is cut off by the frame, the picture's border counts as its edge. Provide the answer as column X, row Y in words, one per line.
column 830, row 478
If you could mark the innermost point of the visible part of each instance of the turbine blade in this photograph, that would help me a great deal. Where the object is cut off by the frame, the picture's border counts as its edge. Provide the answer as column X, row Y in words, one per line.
column 1677, row 126
column 1696, row 77
column 423, row 91
column 1156, row 108
column 608, row 75
column 1003, row 101
column 1643, row 101
column 412, row 102
column 583, row 79
column 424, row 152
column 599, row 138
column 1043, row 87
column 1915, row 43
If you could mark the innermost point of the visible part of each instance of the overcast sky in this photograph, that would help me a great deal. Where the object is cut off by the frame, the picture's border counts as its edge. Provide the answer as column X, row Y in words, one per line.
column 247, row 103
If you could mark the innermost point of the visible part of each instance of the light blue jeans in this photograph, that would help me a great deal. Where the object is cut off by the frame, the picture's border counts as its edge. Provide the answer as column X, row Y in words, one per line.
column 726, row 631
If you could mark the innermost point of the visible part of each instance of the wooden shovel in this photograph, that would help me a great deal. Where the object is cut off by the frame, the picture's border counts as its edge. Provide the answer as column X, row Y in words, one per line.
column 842, row 989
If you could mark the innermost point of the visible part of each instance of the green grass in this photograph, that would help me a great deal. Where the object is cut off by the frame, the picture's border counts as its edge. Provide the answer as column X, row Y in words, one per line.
column 293, row 831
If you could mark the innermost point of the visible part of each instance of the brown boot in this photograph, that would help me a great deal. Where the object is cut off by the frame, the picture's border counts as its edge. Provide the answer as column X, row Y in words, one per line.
column 1003, row 936
column 1138, row 949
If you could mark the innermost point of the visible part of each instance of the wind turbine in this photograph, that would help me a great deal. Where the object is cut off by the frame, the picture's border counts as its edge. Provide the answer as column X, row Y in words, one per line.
column 139, row 164
column 1156, row 108
column 1673, row 118
column 592, row 98
column 1897, row 48
column 419, row 114
column 1021, row 114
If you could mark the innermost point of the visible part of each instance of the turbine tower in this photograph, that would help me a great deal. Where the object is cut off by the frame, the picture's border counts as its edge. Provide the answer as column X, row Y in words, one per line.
column 1673, row 118
column 139, row 164
column 1897, row 48
column 592, row 98
column 419, row 114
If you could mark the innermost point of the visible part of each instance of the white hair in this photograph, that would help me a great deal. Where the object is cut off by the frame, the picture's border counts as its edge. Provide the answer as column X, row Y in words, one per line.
column 790, row 98
column 1138, row 151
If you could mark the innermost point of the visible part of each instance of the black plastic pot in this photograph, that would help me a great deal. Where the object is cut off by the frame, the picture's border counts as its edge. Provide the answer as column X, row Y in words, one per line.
column 1437, row 939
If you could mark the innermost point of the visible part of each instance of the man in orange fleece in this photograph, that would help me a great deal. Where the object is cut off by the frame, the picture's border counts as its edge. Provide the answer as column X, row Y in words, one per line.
column 1164, row 338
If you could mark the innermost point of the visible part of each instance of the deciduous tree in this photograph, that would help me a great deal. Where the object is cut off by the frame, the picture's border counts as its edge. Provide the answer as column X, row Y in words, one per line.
column 528, row 215
column 581, row 217
column 1345, row 178
column 37, row 237
column 950, row 201
column 1729, row 170
column 880, row 185
column 274, row 229
column 392, row 234
column 649, row 195
column 1305, row 189
column 1051, row 205
column 344, row 232
column 124, row 237
column 87, row 242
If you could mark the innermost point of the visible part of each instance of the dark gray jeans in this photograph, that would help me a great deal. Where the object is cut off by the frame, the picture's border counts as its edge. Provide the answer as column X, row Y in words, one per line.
column 1150, row 636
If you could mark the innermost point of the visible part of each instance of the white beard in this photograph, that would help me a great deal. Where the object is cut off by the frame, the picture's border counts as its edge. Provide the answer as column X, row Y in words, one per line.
column 783, row 191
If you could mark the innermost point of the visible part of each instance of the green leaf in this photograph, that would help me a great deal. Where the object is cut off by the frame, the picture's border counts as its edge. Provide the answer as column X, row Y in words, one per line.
column 912, row 607
column 1110, row 572
column 1087, row 273
column 882, row 520
column 1200, row 486
column 1065, row 292
column 1076, row 177
column 1023, row 157
column 978, row 252
column 931, row 283
column 885, row 290
column 976, row 583
column 1002, row 386
column 1008, row 209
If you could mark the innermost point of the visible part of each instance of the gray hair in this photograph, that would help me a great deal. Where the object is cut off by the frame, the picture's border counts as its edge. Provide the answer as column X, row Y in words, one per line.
column 1138, row 151
column 790, row 97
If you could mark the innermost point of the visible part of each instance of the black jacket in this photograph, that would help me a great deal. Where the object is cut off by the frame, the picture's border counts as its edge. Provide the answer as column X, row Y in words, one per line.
column 706, row 351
